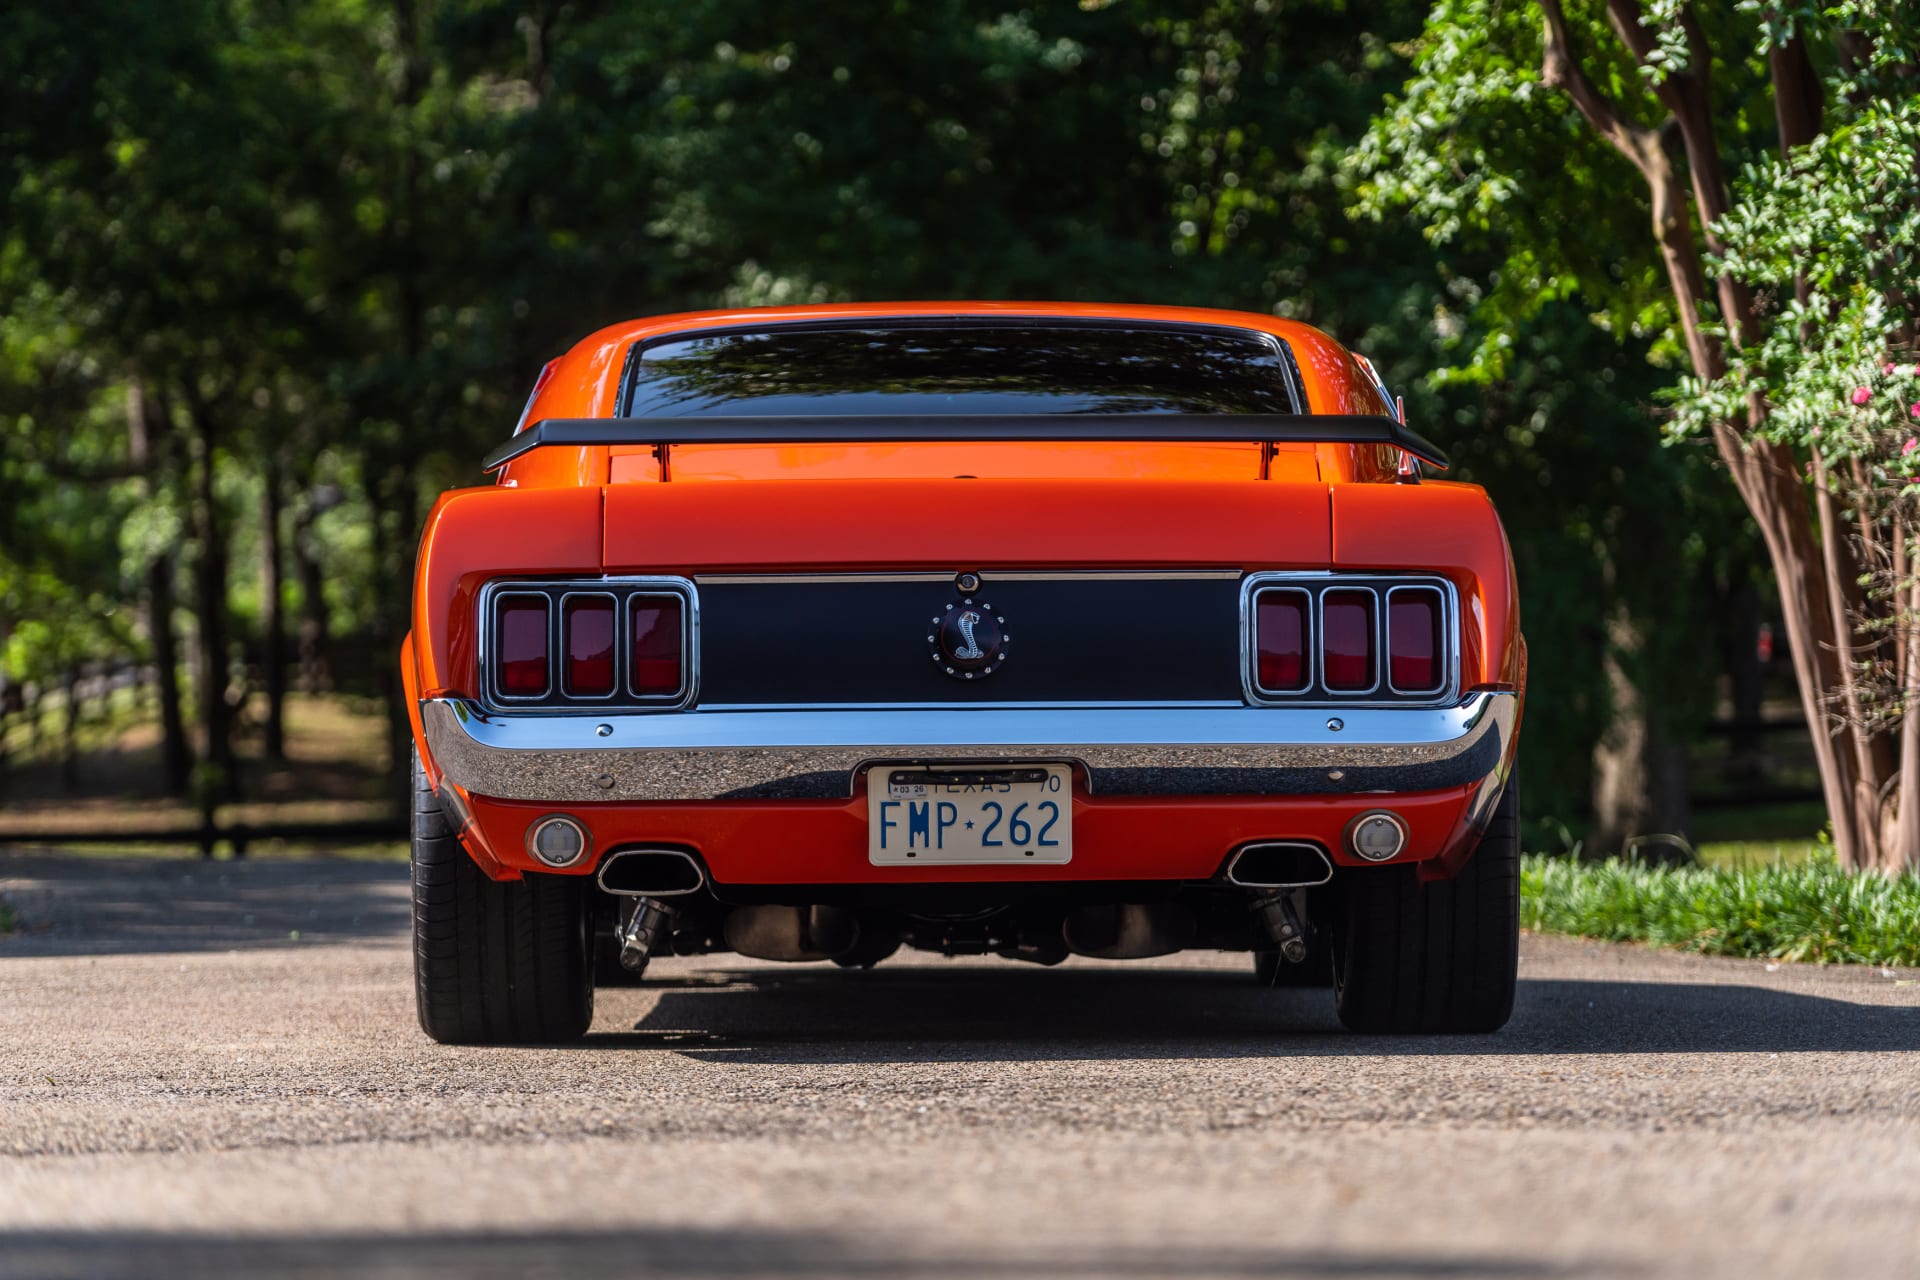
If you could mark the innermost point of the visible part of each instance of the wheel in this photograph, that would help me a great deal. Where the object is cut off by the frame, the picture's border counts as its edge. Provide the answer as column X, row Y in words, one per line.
column 1270, row 970
column 1436, row 957
column 493, row 963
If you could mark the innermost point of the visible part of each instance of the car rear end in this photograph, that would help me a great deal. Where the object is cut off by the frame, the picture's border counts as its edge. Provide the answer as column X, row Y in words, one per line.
column 819, row 697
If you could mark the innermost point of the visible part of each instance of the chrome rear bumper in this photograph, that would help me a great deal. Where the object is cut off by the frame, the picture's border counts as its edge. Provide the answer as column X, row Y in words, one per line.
column 803, row 753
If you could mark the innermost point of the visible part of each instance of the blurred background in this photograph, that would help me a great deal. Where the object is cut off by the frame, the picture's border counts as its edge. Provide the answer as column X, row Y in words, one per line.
column 274, row 274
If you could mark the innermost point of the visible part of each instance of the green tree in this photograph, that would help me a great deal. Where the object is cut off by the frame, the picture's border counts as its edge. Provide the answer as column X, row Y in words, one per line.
column 1596, row 145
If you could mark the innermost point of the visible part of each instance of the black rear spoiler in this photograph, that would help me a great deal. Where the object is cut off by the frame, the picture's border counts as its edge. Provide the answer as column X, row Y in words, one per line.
column 1200, row 428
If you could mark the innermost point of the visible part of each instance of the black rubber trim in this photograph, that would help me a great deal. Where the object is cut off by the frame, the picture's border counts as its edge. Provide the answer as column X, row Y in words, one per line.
column 1210, row 428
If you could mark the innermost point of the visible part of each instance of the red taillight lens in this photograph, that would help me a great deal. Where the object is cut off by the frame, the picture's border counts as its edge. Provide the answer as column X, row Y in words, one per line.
column 656, row 645
column 1413, row 640
column 1280, row 634
column 1347, row 654
column 523, row 662
column 587, row 627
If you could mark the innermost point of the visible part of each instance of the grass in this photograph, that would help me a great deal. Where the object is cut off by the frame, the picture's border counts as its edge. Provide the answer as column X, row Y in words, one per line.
column 1752, row 836
column 1751, row 855
column 1806, row 910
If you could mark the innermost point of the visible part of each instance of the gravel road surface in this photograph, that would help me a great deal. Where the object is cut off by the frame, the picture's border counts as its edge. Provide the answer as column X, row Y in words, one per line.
column 213, row 1069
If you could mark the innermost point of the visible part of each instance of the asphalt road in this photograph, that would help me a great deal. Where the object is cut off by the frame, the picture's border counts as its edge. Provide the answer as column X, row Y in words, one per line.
column 213, row 1069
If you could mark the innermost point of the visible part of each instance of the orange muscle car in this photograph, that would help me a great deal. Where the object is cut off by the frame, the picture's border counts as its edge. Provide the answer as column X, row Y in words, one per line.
column 980, row 628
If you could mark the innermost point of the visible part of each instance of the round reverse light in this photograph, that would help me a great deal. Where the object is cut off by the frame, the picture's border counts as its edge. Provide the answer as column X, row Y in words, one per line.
column 558, row 841
column 1377, row 836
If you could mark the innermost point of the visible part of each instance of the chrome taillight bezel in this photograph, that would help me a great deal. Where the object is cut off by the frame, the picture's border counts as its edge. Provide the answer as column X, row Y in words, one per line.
column 1382, row 693
column 623, row 591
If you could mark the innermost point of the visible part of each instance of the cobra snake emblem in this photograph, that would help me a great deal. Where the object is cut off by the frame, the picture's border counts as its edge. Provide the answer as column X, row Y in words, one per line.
column 970, row 650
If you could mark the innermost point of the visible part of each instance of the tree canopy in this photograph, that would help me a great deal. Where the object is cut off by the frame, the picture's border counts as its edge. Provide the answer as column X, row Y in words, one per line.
column 274, row 274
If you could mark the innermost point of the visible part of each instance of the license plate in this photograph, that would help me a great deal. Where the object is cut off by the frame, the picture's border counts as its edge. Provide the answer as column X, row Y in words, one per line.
column 1012, row 814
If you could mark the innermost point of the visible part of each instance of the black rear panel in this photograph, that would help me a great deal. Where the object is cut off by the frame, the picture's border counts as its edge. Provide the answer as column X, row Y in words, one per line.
column 1070, row 638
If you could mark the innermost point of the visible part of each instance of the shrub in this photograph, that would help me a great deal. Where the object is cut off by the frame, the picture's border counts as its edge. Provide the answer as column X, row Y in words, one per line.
column 1807, row 911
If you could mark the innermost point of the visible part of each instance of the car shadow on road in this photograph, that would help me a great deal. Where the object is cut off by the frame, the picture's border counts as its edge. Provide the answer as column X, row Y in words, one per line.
column 984, row 1014
column 733, row 1251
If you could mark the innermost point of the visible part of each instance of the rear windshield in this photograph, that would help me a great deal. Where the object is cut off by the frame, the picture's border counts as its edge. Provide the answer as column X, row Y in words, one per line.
column 1015, row 368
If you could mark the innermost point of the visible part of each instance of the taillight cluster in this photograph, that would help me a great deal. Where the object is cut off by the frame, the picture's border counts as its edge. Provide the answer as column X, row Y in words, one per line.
column 1382, row 638
column 606, row 643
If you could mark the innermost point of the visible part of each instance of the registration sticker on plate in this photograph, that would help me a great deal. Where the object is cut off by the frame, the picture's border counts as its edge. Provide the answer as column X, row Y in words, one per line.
column 1012, row 813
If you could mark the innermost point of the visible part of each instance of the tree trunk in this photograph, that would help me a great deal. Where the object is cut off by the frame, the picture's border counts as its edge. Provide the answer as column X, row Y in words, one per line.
column 1621, row 791
column 176, row 753
column 314, row 677
column 272, row 623
column 394, row 533
column 148, row 425
column 1767, row 474
column 210, row 606
column 1640, row 774
column 1746, row 677
column 69, row 728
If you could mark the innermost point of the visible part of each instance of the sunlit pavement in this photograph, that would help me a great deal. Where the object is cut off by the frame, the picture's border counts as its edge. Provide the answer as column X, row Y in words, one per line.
column 213, row 1069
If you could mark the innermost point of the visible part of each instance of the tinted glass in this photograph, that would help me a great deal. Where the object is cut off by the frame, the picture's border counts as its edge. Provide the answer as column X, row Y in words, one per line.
column 961, row 369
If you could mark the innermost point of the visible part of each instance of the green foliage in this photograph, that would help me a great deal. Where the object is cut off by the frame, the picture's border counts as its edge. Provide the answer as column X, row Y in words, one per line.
column 344, row 235
column 1841, row 219
column 1811, row 910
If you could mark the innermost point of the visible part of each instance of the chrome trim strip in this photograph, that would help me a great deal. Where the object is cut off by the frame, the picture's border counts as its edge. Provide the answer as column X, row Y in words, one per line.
column 554, row 591
column 991, row 576
column 987, row 576
column 954, row 706
column 814, row 579
column 706, row 754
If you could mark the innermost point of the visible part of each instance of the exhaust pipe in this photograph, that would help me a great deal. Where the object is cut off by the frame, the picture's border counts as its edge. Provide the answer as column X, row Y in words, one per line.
column 651, row 873
column 645, row 924
column 1129, row 931
column 1279, row 864
column 791, row 933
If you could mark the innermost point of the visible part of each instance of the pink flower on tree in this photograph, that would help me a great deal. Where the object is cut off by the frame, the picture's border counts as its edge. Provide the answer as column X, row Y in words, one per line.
column 1911, row 443
column 1861, row 395
column 1913, row 410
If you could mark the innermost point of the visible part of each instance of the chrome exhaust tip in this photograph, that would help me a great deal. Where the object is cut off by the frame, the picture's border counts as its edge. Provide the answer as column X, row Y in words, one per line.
column 651, row 873
column 1279, row 864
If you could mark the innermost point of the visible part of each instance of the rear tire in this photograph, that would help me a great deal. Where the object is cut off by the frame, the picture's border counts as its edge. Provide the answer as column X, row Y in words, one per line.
column 493, row 962
column 1433, row 957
